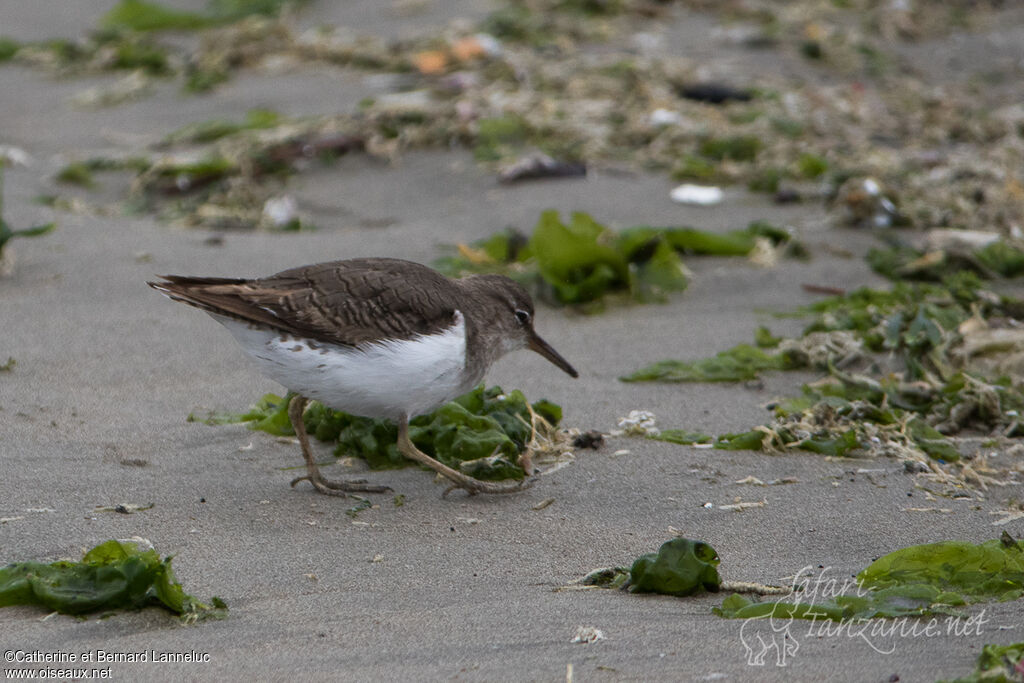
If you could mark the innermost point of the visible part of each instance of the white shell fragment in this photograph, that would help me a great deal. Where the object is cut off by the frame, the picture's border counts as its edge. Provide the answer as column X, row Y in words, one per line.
column 280, row 211
column 665, row 117
column 587, row 635
column 697, row 195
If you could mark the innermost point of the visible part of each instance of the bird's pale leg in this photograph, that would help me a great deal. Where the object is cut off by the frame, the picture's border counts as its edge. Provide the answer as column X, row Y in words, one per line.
column 460, row 480
column 296, row 408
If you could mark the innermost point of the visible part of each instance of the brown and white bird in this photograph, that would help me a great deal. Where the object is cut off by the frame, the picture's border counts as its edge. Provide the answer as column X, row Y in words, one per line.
column 376, row 337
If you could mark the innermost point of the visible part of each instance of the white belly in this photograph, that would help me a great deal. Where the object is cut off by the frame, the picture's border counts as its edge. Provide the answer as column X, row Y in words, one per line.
column 383, row 380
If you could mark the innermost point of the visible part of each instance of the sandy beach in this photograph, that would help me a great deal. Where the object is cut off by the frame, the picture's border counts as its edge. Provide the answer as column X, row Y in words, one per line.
column 94, row 411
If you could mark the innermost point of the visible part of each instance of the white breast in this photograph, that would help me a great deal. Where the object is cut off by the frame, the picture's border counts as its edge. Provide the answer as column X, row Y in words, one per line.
column 387, row 379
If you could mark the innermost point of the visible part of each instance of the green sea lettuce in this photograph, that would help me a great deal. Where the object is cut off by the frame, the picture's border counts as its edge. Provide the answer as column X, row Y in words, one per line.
column 113, row 575
column 482, row 432
column 681, row 567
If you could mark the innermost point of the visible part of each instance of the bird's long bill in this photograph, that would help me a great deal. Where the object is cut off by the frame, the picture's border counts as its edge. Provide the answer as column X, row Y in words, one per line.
column 543, row 348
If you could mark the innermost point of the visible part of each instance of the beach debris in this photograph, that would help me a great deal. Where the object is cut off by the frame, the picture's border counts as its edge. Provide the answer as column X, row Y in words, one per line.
column 353, row 512
column 637, row 423
column 1007, row 516
column 537, row 166
column 714, row 93
column 494, row 87
column 14, row 156
column 863, row 203
column 604, row 577
column 740, row 506
column 661, row 117
column 130, row 87
column 589, row 439
column 911, row 406
column 124, row 508
column 281, row 213
column 587, row 635
column 754, row 481
column 698, row 195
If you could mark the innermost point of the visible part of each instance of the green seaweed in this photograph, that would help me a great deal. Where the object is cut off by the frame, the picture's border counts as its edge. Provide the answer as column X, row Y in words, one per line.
column 931, row 441
column 681, row 567
column 573, row 260
column 812, row 166
column 143, row 16
column 498, row 137
column 82, row 173
column 681, row 437
column 837, row 446
column 136, row 54
column 764, row 338
column 904, row 601
column 919, row 580
column 693, row 167
column 993, row 570
column 996, row 260
column 138, row 15
column 187, row 177
column 113, row 575
column 997, row 664
column 733, row 148
column 76, row 173
column 6, row 232
column 741, row 441
column 766, row 180
column 200, row 80
column 208, row 131
column 482, row 432
column 582, row 261
column 8, row 48
column 740, row 363
column 577, row 263
column 825, row 443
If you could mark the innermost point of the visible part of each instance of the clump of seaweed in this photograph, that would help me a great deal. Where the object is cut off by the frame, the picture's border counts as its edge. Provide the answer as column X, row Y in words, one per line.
column 909, row 375
column 126, row 574
column 487, row 433
column 585, row 264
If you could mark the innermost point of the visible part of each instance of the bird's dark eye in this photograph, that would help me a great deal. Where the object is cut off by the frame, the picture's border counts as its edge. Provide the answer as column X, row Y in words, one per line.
column 522, row 316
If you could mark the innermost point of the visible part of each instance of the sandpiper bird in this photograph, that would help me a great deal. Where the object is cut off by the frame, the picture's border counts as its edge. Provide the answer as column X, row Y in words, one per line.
column 375, row 337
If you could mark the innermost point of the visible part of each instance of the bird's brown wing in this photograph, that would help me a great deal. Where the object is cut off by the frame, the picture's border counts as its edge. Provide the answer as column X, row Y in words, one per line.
column 348, row 302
